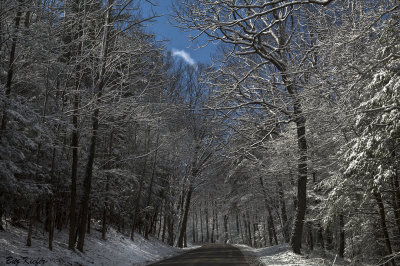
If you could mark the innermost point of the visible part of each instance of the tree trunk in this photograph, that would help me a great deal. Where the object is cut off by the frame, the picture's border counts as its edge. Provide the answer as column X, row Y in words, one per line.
column 1, row 216
column 50, row 222
column 201, row 225
column 95, row 126
column 141, row 181
column 216, row 223
column 207, row 226
column 30, row 228
column 226, row 235
column 310, row 235
column 182, row 231
column 321, row 236
column 193, row 228
column 164, row 227
column 150, row 190
column 241, row 230
column 10, row 73
column 382, row 216
column 104, row 222
column 342, row 236
column 285, row 227
column 170, row 231
column 75, row 154
column 213, row 227
column 329, row 238
column 396, row 198
column 298, row 222
column 271, row 225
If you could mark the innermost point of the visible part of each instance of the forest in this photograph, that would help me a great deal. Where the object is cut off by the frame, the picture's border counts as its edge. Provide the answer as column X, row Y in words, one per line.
column 290, row 135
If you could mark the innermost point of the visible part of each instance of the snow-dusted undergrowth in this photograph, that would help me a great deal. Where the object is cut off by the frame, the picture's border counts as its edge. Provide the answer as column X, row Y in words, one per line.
column 282, row 255
column 116, row 250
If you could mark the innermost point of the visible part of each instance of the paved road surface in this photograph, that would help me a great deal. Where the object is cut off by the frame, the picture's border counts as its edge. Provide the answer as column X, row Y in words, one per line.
column 208, row 255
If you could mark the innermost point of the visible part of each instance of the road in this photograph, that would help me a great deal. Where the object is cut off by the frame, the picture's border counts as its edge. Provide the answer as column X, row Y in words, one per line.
column 208, row 255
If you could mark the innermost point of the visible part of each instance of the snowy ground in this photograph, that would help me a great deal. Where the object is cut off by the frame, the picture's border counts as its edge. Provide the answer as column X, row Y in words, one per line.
column 282, row 255
column 116, row 250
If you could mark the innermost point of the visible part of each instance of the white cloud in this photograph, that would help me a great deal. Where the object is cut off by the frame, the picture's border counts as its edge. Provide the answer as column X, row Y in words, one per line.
column 184, row 55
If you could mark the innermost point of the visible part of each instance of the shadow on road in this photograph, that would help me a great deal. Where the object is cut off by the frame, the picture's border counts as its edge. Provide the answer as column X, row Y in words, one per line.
column 213, row 254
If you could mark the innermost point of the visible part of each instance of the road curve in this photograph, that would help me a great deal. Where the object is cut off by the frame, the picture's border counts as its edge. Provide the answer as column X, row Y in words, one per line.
column 213, row 254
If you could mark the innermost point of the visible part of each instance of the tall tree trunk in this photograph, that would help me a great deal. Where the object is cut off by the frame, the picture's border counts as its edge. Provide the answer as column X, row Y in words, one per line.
column 89, row 218
column 193, row 228
column 342, row 236
column 201, row 225
column 285, row 227
column 237, row 225
column 30, row 227
column 50, row 220
column 298, row 223
column 329, row 238
column 182, row 231
column 213, row 227
column 310, row 235
column 207, row 226
column 1, row 216
column 141, row 181
column 164, row 226
column 382, row 215
column 271, row 225
column 396, row 195
column 216, row 222
column 95, row 126
column 170, row 231
column 226, row 235
column 10, row 72
column 241, row 230
column 75, row 149
column 107, row 188
column 150, row 190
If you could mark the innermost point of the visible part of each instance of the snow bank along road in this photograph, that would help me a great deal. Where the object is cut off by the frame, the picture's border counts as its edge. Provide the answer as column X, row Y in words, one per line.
column 216, row 254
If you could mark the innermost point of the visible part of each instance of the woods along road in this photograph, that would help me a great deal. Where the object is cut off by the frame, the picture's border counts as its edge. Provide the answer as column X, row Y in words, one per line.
column 208, row 255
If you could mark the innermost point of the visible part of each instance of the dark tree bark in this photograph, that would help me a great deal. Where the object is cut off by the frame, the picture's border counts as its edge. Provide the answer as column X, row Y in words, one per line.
column 207, row 226
column 51, row 223
column 150, row 190
column 170, row 230
column 298, row 223
column 270, row 221
column 107, row 188
column 193, row 229
column 30, row 227
column 10, row 72
column 1, row 216
column 237, row 224
column 382, row 216
column 310, row 238
column 75, row 151
column 285, row 228
column 89, row 219
column 201, row 225
column 342, row 236
column 241, row 230
column 95, row 126
column 212, row 227
column 226, row 235
column 182, row 231
column 329, row 238
column 216, row 222
column 164, row 227
column 396, row 196
column 141, row 181
column 321, row 236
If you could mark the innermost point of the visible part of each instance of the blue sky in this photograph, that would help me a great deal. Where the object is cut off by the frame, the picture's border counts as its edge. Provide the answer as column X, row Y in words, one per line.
column 178, row 41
